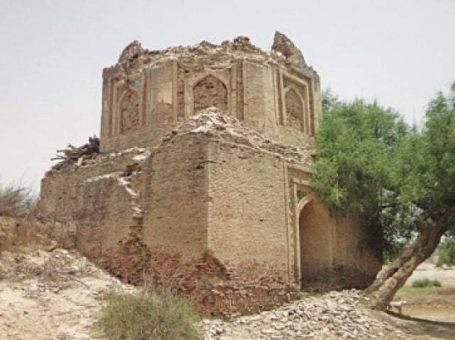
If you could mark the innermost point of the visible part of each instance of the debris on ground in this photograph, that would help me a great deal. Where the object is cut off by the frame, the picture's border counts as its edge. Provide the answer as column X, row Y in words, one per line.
column 58, row 294
column 338, row 315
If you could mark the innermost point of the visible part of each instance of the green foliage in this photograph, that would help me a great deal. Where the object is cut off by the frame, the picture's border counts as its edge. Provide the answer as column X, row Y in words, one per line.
column 425, row 283
column 436, row 166
column 446, row 252
column 15, row 200
column 372, row 164
column 161, row 316
column 356, row 147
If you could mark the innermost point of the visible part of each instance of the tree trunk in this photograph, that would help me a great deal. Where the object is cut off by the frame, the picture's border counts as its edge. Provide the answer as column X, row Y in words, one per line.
column 394, row 276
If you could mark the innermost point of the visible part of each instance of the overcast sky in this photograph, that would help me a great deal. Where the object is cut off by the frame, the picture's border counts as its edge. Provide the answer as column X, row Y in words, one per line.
column 400, row 52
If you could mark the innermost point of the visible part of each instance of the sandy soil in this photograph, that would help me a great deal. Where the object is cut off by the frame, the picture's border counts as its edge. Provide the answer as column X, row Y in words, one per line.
column 57, row 294
column 51, row 295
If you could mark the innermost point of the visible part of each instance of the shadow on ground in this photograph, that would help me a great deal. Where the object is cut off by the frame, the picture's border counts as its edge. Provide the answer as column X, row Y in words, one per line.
column 420, row 326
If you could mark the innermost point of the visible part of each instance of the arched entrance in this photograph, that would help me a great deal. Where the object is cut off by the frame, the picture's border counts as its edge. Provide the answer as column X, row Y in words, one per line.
column 316, row 246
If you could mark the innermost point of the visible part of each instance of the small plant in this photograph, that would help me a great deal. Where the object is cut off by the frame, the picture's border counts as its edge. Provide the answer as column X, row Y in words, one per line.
column 162, row 315
column 15, row 200
column 426, row 283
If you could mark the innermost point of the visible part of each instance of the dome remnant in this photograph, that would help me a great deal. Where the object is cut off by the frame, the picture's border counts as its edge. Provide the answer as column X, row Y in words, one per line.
column 274, row 92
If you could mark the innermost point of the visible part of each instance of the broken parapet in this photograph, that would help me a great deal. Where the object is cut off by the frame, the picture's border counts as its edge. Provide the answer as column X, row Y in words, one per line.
column 146, row 94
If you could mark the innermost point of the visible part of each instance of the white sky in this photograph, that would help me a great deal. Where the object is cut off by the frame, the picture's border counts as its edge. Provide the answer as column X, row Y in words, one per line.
column 400, row 52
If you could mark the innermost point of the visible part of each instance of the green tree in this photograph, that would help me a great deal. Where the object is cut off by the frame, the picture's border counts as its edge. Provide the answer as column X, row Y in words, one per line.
column 397, row 178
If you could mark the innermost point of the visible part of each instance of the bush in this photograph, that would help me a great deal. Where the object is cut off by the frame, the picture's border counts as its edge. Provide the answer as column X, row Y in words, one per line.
column 446, row 253
column 162, row 316
column 424, row 283
column 15, row 200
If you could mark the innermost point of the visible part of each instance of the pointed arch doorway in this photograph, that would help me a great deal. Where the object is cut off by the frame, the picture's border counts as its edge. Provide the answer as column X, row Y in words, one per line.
column 315, row 230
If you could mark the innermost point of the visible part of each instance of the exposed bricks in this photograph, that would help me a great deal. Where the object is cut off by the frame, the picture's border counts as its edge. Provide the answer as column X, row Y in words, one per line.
column 212, row 210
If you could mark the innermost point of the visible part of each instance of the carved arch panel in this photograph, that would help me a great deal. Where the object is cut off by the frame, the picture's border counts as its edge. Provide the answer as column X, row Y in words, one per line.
column 129, row 110
column 295, row 108
column 210, row 91
column 294, row 104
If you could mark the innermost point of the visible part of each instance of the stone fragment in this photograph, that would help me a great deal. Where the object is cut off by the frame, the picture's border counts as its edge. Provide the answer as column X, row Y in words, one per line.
column 285, row 46
column 134, row 49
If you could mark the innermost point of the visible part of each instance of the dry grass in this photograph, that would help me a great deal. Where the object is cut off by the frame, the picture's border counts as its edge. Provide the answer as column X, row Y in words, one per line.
column 161, row 315
column 15, row 201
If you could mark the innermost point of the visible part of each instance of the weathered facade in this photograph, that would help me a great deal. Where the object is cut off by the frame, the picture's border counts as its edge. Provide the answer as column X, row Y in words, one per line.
column 207, row 152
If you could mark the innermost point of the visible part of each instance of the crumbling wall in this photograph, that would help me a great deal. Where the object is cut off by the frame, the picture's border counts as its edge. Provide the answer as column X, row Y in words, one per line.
column 207, row 211
column 147, row 92
column 101, row 196
column 165, row 187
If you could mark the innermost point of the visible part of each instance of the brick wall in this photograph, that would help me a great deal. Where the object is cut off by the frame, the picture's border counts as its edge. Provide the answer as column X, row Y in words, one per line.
column 247, row 218
column 175, row 206
column 160, row 211
column 170, row 86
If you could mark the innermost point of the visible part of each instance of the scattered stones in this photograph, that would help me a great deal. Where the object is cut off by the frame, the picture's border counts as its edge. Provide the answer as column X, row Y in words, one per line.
column 332, row 315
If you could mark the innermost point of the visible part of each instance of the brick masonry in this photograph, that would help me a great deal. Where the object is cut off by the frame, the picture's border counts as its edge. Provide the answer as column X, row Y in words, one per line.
column 217, row 202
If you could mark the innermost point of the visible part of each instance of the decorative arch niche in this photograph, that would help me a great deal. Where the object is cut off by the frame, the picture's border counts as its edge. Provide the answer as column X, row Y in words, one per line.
column 295, row 108
column 210, row 91
column 129, row 110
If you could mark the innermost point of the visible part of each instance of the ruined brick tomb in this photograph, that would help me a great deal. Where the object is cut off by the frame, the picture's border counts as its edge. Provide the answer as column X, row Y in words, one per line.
column 204, row 178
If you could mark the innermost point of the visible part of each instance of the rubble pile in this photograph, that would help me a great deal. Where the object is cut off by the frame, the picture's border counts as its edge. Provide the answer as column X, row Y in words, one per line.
column 214, row 122
column 332, row 315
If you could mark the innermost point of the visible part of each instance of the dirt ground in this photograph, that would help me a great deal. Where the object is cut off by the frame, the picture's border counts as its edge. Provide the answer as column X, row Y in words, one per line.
column 430, row 311
column 431, row 303
column 51, row 295
column 58, row 294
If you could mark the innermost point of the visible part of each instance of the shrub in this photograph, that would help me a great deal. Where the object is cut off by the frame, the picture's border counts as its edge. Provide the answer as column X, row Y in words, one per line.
column 424, row 283
column 446, row 253
column 15, row 200
column 160, row 315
